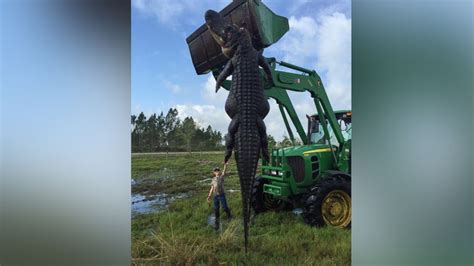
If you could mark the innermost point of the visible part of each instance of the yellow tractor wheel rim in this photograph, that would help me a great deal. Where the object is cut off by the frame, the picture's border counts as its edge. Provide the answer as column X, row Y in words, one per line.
column 337, row 209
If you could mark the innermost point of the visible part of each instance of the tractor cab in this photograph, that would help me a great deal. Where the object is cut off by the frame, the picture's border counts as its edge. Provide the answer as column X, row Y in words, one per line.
column 315, row 129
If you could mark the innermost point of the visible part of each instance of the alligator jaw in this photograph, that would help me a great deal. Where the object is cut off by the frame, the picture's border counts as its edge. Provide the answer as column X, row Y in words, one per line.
column 216, row 25
column 224, row 33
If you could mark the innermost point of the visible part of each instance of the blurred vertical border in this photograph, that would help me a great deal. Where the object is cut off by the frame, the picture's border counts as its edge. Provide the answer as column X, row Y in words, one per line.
column 65, row 132
column 412, row 76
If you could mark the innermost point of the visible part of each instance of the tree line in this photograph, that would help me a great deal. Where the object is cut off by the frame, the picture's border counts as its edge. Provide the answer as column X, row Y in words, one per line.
column 167, row 132
column 161, row 133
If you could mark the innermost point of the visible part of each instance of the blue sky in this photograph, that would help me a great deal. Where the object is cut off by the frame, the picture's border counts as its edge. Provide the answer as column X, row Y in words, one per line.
column 163, row 75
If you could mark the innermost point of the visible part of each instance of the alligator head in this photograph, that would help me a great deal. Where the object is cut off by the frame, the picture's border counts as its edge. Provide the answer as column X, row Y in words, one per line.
column 226, row 34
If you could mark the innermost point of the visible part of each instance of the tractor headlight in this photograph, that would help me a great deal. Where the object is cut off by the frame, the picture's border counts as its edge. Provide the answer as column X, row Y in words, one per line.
column 277, row 173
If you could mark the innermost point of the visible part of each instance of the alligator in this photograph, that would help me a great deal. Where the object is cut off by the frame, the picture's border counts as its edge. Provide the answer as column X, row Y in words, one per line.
column 246, row 104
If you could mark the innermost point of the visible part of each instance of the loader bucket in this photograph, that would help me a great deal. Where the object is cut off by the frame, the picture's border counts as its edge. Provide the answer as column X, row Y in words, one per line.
column 264, row 26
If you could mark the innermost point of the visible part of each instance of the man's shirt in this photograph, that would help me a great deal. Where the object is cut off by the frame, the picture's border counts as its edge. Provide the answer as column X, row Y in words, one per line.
column 218, row 184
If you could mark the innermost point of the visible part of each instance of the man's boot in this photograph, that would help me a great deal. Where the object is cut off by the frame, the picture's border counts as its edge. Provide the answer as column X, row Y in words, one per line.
column 216, row 224
column 229, row 215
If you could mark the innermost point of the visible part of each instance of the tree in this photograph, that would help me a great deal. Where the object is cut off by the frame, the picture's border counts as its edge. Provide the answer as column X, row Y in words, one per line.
column 171, row 125
column 271, row 142
column 151, row 134
column 286, row 142
column 138, row 132
column 298, row 142
column 200, row 140
column 188, row 130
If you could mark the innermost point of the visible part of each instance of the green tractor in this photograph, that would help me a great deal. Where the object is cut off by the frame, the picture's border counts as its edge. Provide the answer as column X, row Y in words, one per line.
column 314, row 176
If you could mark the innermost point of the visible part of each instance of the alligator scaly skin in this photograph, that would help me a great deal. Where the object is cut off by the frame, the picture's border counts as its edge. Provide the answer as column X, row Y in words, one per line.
column 247, row 106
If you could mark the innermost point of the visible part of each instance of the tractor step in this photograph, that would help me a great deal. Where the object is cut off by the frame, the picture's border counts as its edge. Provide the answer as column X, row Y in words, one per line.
column 277, row 190
column 273, row 177
column 275, row 168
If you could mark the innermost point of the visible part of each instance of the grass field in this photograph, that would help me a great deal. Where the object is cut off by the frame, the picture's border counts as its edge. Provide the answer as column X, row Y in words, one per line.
column 181, row 235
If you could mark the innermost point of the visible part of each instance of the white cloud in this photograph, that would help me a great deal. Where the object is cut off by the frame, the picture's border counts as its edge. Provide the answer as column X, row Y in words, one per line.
column 297, row 4
column 165, row 11
column 209, row 94
column 205, row 115
column 325, row 45
column 174, row 88
column 334, row 58
column 302, row 104
column 215, row 115
column 213, row 111
column 274, row 122
column 174, row 12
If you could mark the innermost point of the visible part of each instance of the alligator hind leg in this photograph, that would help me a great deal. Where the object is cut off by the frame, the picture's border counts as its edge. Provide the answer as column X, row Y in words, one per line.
column 262, row 130
column 263, row 108
column 229, row 139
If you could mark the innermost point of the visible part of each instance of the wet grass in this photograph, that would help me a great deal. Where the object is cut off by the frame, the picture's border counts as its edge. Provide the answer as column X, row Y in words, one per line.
column 178, row 173
column 181, row 234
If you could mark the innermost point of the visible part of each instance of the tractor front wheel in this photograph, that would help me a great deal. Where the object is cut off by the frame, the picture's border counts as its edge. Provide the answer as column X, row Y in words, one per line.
column 329, row 203
column 262, row 202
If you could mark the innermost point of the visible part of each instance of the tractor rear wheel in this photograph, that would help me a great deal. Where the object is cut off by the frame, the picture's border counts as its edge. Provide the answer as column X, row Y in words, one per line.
column 329, row 203
column 262, row 202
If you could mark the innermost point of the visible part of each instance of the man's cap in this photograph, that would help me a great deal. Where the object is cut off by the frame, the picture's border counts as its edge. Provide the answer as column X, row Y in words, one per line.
column 216, row 169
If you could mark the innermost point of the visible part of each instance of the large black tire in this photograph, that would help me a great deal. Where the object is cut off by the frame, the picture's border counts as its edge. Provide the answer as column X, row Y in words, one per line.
column 329, row 203
column 262, row 202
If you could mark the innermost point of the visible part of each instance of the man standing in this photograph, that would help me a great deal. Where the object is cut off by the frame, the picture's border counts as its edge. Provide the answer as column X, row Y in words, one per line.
column 217, row 188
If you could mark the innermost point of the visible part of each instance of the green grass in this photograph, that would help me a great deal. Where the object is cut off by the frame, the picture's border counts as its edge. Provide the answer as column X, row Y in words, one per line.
column 181, row 234
column 184, row 172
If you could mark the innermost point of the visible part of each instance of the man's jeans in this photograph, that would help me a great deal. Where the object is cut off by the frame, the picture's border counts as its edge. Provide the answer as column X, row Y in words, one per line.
column 218, row 199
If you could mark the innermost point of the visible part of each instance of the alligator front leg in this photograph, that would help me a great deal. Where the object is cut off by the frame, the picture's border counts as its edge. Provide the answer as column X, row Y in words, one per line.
column 230, row 138
column 263, row 63
column 227, row 71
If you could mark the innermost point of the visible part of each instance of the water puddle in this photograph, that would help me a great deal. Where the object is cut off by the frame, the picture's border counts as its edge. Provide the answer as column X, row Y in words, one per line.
column 152, row 204
column 163, row 174
column 211, row 220
column 224, row 221
column 298, row 211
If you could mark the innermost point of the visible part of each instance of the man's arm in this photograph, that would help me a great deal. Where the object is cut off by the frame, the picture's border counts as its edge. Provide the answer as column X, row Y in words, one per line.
column 210, row 193
column 224, row 171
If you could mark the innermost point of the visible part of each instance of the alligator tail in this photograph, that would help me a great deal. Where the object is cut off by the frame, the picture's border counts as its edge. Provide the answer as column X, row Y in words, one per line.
column 247, row 152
